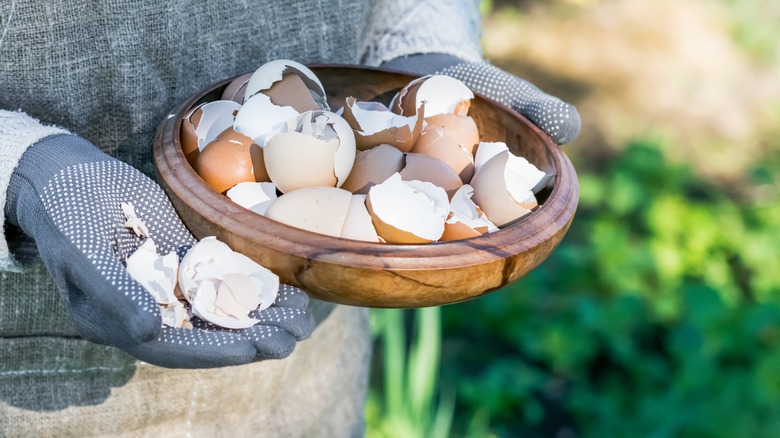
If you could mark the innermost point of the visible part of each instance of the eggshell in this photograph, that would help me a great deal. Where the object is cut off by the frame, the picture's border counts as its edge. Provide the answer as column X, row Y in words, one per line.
column 357, row 224
column 259, row 118
column 236, row 88
column 373, row 166
column 202, row 125
column 255, row 196
column 317, row 149
column 318, row 209
column 487, row 150
column 407, row 211
column 256, row 152
column 461, row 128
column 224, row 164
column 502, row 187
column 292, row 91
column 157, row 274
column 435, row 143
column 441, row 94
column 224, row 286
column 426, row 168
column 465, row 219
column 374, row 124
column 274, row 71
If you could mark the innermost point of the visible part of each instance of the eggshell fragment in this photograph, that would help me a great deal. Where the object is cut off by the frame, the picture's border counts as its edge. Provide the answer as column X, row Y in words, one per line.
column 202, row 125
column 502, row 187
column 236, row 89
column 441, row 94
column 157, row 274
column 465, row 218
column 426, row 168
column 373, row 166
column 487, row 150
column 292, row 91
column 435, row 143
column 318, row 209
column 224, row 164
column 274, row 71
column 224, row 286
column 407, row 211
column 259, row 118
column 374, row 124
column 317, row 149
column 255, row 196
column 255, row 152
column 357, row 224
column 461, row 128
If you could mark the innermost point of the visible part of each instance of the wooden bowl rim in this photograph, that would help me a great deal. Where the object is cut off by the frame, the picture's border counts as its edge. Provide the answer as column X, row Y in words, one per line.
column 553, row 215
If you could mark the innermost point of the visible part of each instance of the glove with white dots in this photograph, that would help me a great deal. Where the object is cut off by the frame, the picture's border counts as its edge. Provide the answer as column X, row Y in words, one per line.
column 67, row 194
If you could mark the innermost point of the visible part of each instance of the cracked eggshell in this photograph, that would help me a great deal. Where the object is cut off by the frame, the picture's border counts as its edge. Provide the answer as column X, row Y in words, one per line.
column 224, row 286
column 461, row 128
column 407, row 211
column 437, row 144
column 502, row 187
column 426, row 168
column 317, row 149
column 225, row 163
column 270, row 73
column 236, row 89
column 254, row 196
column 321, row 210
column 465, row 218
column 358, row 224
column 259, row 118
column 157, row 274
column 374, row 124
column 373, row 166
column 202, row 125
column 441, row 94
column 255, row 152
column 487, row 150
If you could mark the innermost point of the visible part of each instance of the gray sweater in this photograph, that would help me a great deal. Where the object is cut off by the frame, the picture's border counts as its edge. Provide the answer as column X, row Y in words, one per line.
column 109, row 71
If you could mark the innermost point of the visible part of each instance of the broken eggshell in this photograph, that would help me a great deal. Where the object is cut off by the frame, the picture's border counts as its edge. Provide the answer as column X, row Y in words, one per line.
column 203, row 124
column 465, row 218
column 441, row 94
column 254, row 196
column 374, row 124
column 236, row 89
column 422, row 167
column 462, row 128
column 315, row 149
column 373, row 166
column 407, row 211
column 318, row 209
column 259, row 118
column 225, row 163
column 503, row 187
column 270, row 73
column 224, row 287
column 437, row 144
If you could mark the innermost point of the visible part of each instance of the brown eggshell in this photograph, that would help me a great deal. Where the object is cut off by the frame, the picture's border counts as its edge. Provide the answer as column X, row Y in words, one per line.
column 462, row 128
column 373, row 166
column 223, row 164
column 458, row 231
column 256, row 152
column 292, row 91
column 189, row 138
column 403, row 138
column 296, row 160
column 437, row 144
column 426, row 168
column 236, row 88
column 492, row 195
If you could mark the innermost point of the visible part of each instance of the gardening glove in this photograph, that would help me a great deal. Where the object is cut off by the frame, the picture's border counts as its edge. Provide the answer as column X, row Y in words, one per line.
column 558, row 119
column 66, row 195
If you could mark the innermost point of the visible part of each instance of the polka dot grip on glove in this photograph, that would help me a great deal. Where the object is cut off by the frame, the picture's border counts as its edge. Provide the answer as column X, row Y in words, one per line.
column 66, row 194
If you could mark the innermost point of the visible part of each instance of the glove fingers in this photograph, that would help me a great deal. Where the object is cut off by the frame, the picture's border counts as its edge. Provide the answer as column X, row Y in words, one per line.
column 193, row 348
column 296, row 322
column 270, row 342
column 291, row 296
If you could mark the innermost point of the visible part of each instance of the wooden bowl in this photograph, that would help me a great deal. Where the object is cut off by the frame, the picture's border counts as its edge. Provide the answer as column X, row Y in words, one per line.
column 373, row 274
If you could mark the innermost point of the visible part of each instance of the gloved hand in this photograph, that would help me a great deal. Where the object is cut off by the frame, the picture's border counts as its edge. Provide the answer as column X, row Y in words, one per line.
column 558, row 119
column 66, row 195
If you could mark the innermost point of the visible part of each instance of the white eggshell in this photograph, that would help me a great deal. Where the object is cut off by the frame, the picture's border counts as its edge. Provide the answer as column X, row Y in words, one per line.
column 265, row 76
column 464, row 210
column 217, row 117
column 357, row 224
column 441, row 94
column 255, row 196
column 374, row 124
column 487, row 150
column 318, row 209
column 157, row 274
column 408, row 211
column 210, row 268
column 259, row 118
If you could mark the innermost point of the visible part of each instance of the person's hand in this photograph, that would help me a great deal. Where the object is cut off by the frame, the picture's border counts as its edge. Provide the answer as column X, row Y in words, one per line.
column 67, row 195
column 558, row 119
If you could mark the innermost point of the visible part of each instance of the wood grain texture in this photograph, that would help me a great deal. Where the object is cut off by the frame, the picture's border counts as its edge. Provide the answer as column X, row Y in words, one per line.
column 372, row 274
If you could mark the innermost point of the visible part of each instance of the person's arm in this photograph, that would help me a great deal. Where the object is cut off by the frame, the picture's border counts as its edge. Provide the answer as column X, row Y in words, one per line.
column 66, row 194
column 442, row 37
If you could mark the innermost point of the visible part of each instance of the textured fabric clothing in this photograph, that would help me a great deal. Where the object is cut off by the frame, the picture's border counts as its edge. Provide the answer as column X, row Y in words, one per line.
column 109, row 72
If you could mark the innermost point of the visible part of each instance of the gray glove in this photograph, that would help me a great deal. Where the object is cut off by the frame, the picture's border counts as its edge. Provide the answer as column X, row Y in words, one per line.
column 66, row 195
column 558, row 119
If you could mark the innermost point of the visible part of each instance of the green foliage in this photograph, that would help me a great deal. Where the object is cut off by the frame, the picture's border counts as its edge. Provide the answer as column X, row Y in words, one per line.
column 658, row 315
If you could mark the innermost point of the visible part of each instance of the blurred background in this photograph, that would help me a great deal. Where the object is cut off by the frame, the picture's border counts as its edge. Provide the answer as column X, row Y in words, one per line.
column 659, row 313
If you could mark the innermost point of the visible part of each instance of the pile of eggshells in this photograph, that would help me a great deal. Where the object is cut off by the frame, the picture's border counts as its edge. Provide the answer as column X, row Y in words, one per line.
column 412, row 173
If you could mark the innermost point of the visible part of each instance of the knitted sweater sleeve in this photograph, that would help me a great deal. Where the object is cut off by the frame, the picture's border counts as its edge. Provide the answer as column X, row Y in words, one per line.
column 406, row 27
column 18, row 131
